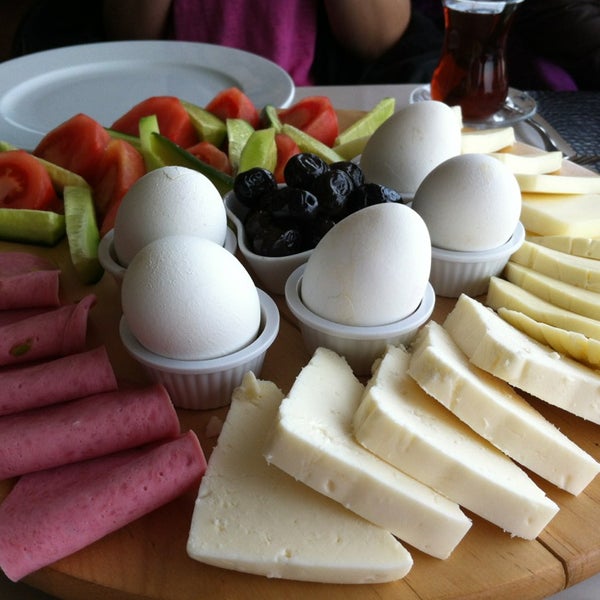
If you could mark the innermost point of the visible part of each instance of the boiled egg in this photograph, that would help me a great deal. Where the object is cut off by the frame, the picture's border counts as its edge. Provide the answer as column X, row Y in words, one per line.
column 470, row 202
column 412, row 142
column 371, row 268
column 168, row 201
column 187, row 298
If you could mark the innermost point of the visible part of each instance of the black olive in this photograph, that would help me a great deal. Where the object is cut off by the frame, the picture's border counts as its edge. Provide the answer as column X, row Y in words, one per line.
column 355, row 172
column 278, row 241
column 249, row 186
column 289, row 202
column 314, row 232
column 301, row 170
column 333, row 188
column 369, row 194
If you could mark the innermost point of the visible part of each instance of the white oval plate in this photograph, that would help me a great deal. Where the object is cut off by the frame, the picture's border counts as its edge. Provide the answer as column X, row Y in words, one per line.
column 104, row 80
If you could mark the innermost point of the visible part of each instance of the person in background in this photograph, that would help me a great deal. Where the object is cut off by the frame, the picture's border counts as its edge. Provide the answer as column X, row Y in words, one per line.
column 292, row 34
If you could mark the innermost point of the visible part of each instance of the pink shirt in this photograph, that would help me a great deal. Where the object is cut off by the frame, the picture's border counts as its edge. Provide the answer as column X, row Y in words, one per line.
column 284, row 32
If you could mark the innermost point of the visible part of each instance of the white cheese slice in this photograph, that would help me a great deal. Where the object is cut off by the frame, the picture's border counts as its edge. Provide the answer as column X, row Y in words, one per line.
column 497, row 347
column 565, row 295
column 571, row 343
column 570, row 179
column 557, row 214
column 484, row 141
column 256, row 519
column 400, row 423
column 575, row 270
column 496, row 412
column 579, row 246
column 504, row 294
column 526, row 159
column 313, row 441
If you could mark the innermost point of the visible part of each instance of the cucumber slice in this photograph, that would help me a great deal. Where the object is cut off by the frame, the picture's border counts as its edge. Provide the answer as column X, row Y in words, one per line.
column 209, row 127
column 172, row 154
column 82, row 233
column 366, row 125
column 271, row 116
column 238, row 133
column 132, row 139
column 259, row 151
column 147, row 126
column 352, row 148
column 31, row 226
column 307, row 143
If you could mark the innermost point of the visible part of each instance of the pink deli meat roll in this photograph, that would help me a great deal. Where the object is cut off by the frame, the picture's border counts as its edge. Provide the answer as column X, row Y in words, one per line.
column 51, row 514
column 59, row 380
column 57, row 332
column 27, row 281
column 68, row 432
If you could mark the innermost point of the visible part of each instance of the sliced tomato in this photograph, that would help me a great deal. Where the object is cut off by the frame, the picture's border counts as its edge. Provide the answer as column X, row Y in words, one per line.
column 174, row 121
column 120, row 167
column 77, row 145
column 211, row 155
column 286, row 148
column 25, row 183
column 232, row 103
column 314, row 115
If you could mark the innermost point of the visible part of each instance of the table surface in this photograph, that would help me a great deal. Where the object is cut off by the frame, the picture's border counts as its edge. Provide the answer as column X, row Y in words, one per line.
column 553, row 556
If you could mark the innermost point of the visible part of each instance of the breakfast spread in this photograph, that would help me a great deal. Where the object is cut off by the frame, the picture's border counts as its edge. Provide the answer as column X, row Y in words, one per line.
column 289, row 530
column 314, row 484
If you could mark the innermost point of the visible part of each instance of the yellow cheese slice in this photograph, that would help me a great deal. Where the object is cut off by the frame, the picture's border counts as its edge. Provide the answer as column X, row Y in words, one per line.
column 576, row 215
column 579, row 246
column 575, row 345
column 570, row 179
column 529, row 160
column 504, row 294
column 484, row 141
column 497, row 347
column 576, row 270
column 565, row 295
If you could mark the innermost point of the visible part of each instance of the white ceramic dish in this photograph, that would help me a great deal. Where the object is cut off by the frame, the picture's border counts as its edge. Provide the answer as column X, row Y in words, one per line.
column 207, row 384
column 273, row 272
column 39, row 91
column 108, row 257
column 359, row 345
column 454, row 273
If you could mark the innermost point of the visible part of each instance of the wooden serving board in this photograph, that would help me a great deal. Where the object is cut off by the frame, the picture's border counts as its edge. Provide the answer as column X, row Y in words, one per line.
column 147, row 559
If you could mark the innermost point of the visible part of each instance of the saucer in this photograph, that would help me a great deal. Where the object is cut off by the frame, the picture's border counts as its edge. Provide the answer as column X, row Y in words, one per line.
column 518, row 107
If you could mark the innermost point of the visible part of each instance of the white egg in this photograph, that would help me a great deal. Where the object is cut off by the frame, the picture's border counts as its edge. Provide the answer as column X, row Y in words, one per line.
column 371, row 268
column 412, row 142
column 188, row 298
column 168, row 201
column 469, row 202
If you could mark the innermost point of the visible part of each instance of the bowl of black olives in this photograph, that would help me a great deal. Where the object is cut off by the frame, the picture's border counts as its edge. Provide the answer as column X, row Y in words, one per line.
column 279, row 224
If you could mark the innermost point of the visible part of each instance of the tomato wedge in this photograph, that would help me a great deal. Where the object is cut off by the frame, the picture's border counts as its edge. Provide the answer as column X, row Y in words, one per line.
column 25, row 183
column 211, row 155
column 232, row 103
column 286, row 148
column 77, row 145
column 120, row 167
column 174, row 121
column 314, row 115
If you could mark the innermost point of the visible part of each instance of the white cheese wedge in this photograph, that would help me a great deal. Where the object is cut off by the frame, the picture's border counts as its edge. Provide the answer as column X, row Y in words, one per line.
column 570, row 179
column 557, row 214
column 579, row 246
column 575, row 270
column 504, row 294
column 570, row 343
column 565, row 295
column 496, row 412
column 254, row 518
column 525, row 158
column 405, row 426
column 484, row 141
column 313, row 441
column 497, row 347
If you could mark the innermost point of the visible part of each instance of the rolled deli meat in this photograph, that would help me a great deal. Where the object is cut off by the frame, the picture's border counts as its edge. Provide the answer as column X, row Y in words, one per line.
column 56, row 332
column 27, row 281
column 86, row 428
column 58, row 380
column 53, row 513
